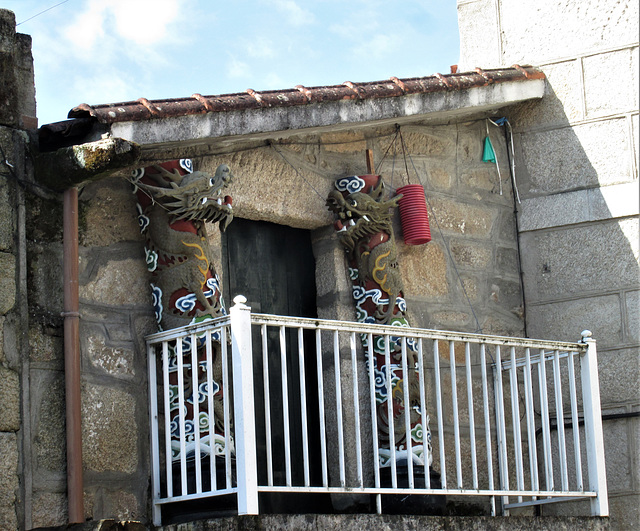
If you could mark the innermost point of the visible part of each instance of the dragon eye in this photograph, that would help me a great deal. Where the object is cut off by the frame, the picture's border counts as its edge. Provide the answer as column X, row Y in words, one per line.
column 353, row 202
column 211, row 183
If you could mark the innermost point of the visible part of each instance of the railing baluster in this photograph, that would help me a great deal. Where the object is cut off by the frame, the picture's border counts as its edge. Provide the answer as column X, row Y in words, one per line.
column 531, row 426
column 562, row 449
column 226, row 401
column 166, row 387
column 575, row 422
column 374, row 421
column 285, row 405
column 356, row 408
column 423, row 416
column 456, row 415
column 392, row 430
column 303, row 409
column 503, row 463
column 237, row 396
column 546, row 429
column 407, row 410
column 155, row 443
column 336, row 361
column 323, row 428
column 472, row 423
column 211, row 411
column 195, row 393
column 181, row 418
column 594, row 438
column 515, row 415
column 436, row 368
column 267, row 403
column 487, row 423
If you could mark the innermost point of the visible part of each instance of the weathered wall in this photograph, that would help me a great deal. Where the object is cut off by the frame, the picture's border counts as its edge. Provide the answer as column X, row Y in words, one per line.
column 17, row 112
column 577, row 154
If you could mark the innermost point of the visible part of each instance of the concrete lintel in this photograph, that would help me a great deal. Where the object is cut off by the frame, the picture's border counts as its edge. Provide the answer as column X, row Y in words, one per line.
column 267, row 122
column 568, row 208
column 71, row 166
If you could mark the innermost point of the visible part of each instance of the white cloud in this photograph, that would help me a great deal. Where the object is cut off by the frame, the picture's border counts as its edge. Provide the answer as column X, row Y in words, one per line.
column 260, row 48
column 273, row 81
column 237, row 68
column 294, row 13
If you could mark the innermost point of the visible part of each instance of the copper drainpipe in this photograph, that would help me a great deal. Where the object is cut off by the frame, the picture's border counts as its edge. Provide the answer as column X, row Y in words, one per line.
column 71, row 316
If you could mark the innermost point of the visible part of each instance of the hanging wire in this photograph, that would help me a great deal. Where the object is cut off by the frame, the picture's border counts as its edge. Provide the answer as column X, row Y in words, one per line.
column 41, row 12
column 297, row 172
column 435, row 218
column 495, row 154
column 404, row 155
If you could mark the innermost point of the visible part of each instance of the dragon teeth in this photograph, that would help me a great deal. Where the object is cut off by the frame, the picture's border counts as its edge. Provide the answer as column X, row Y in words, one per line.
column 366, row 218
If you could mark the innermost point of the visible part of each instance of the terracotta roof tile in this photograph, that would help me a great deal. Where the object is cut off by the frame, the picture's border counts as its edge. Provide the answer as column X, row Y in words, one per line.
column 144, row 109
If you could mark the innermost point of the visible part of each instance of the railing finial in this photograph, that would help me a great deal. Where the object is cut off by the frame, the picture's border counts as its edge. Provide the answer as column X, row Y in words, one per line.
column 240, row 300
column 586, row 334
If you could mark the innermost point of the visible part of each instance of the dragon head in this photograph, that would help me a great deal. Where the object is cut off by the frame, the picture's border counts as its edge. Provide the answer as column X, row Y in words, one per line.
column 360, row 210
column 196, row 196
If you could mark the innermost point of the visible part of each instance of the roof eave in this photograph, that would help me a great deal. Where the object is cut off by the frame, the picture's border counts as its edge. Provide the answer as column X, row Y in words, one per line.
column 266, row 122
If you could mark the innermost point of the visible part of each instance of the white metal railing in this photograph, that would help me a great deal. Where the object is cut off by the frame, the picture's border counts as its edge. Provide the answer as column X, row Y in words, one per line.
column 254, row 403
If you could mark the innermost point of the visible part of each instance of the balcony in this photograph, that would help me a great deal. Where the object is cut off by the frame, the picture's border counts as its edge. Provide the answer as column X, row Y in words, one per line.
column 249, row 407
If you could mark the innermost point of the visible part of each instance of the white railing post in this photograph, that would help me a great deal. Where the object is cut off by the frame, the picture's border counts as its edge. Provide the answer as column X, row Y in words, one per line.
column 593, row 427
column 243, row 400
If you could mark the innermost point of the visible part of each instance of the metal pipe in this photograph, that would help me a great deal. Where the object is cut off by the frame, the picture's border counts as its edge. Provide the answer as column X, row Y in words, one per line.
column 71, row 316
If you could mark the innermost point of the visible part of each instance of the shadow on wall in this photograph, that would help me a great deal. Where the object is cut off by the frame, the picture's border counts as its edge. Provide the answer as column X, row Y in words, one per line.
column 578, row 227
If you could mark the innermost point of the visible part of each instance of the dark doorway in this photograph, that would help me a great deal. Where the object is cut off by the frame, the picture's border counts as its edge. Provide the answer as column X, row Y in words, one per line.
column 274, row 268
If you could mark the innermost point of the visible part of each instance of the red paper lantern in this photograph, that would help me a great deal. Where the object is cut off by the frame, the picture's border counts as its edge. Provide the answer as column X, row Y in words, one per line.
column 413, row 215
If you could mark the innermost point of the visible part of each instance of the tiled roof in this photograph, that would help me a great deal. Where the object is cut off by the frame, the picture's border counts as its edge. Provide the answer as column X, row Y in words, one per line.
column 144, row 109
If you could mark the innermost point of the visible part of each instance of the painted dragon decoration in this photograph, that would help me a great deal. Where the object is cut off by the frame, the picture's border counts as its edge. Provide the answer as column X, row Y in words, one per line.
column 364, row 228
column 174, row 203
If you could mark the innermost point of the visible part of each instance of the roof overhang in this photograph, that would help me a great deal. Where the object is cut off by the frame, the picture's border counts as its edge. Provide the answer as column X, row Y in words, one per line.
column 215, row 124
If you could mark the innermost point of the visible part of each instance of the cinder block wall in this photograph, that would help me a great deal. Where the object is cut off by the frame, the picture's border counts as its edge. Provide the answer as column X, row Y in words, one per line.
column 577, row 155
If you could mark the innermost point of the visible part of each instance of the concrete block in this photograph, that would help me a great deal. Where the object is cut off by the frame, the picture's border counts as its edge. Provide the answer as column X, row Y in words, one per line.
column 431, row 142
column 602, row 97
column 109, row 211
column 547, row 29
column 8, row 480
column 344, row 142
column 49, row 509
column 115, row 361
column 587, row 155
column 619, row 373
column 49, row 442
column 331, row 270
column 463, row 218
column 451, row 320
column 507, row 261
column 617, row 456
column 578, row 259
column 45, row 280
column 506, row 294
column 561, row 103
column 109, row 429
column 44, row 346
column 3, row 357
column 625, row 511
column 9, row 400
column 7, row 282
column 594, row 204
column 484, row 181
column 118, row 282
column 632, row 305
column 474, row 19
column 470, row 254
column 564, row 321
column 255, row 197
column 424, row 270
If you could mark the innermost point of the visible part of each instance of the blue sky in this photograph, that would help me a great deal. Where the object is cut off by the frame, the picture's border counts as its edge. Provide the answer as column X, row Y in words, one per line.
column 107, row 51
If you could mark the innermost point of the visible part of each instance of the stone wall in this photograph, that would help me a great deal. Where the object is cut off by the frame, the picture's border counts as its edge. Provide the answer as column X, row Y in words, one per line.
column 17, row 113
column 577, row 154
column 477, row 226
